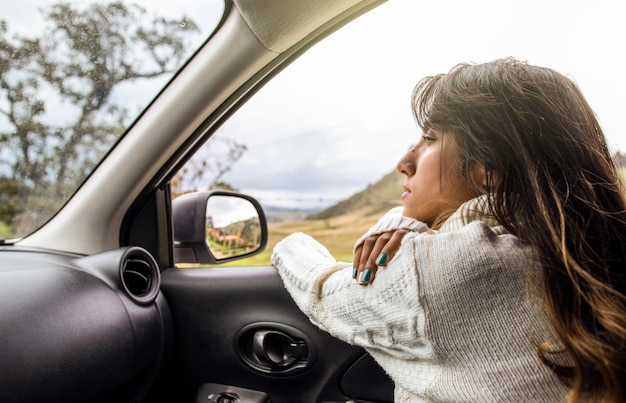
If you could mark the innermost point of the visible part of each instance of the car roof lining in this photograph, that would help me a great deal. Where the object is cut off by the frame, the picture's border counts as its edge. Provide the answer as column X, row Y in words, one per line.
column 278, row 27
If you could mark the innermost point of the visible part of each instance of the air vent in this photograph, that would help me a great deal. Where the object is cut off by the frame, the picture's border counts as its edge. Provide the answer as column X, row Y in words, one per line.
column 137, row 277
column 140, row 276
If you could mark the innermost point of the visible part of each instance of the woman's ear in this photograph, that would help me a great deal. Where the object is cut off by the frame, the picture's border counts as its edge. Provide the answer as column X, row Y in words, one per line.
column 480, row 175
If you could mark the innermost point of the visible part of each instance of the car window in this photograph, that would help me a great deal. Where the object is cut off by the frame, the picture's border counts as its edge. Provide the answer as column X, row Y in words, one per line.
column 73, row 76
column 317, row 146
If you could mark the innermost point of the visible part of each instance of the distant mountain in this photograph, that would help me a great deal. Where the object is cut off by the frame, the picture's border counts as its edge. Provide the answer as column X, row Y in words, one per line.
column 380, row 197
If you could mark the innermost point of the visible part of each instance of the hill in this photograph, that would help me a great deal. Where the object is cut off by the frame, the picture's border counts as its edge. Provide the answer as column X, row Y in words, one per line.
column 378, row 198
column 337, row 227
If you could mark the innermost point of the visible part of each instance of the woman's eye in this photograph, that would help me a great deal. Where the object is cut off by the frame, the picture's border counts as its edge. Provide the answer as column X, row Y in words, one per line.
column 428, row 138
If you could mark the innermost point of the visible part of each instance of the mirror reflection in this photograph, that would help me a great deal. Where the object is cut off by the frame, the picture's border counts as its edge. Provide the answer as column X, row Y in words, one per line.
column 233, row 227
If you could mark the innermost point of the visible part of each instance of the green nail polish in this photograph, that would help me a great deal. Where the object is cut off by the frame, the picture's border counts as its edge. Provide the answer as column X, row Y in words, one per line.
column 366, row 276
column 355, row 271
column 381, row 259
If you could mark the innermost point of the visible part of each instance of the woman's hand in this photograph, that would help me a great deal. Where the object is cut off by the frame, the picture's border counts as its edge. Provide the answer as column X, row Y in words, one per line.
column 374, row 252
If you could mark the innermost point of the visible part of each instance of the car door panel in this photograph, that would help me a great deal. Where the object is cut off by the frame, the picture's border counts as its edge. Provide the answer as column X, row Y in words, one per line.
column 218, row 311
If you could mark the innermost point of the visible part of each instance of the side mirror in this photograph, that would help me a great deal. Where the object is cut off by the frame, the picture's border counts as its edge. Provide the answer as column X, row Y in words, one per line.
column 217, row 226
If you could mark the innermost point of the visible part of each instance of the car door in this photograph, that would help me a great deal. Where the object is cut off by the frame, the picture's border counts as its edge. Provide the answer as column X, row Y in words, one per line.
column 237, row 327
column 236, row 331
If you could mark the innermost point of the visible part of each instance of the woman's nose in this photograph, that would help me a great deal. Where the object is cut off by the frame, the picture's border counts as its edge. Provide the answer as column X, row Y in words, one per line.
column 406, row 165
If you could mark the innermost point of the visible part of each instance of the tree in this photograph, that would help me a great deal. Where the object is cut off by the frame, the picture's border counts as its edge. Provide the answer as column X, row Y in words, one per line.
column 206, row 168
column 77, row 62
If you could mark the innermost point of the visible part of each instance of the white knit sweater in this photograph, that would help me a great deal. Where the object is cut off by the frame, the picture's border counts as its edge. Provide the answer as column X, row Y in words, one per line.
column 455, row 316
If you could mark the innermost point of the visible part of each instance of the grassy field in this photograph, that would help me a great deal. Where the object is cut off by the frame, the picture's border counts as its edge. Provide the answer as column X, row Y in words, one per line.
column 338, row 234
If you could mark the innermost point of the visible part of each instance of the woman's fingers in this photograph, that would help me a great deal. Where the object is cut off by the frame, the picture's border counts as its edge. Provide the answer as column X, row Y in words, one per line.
column 367, row 262
column 355, row 262
column 363, row 272
column 375, row 251
column 390, row 248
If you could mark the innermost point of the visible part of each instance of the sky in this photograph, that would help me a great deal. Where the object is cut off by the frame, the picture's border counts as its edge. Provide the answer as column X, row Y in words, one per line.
column 346, row 101
column 338, row 118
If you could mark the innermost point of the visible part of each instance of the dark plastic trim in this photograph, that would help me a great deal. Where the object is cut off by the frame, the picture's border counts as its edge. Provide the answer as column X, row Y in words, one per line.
column 243, row 344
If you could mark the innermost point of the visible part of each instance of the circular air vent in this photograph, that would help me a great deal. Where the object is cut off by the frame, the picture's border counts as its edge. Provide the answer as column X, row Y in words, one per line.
column 137, row 277
column 140, row 276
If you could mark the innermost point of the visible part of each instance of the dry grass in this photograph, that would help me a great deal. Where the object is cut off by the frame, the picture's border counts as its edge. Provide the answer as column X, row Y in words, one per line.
column 338, row 234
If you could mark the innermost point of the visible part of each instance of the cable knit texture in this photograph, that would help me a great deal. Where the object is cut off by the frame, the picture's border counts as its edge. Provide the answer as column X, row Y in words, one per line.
column 455, row 316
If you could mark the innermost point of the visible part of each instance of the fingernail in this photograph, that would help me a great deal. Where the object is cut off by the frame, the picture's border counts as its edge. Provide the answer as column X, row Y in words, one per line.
column 354, row 272
column 381, row 259
column 365, row 276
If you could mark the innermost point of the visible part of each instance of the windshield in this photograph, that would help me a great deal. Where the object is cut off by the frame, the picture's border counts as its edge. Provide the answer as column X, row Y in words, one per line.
column 73, row 76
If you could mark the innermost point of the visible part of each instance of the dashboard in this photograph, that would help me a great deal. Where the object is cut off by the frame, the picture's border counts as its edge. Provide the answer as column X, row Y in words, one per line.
column 80, row 328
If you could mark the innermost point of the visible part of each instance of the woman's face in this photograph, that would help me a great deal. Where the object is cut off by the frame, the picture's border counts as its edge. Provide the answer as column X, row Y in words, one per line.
column 434, row 185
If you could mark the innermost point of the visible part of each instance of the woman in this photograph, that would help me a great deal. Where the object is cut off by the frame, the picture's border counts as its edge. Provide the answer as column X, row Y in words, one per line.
column 504, row 271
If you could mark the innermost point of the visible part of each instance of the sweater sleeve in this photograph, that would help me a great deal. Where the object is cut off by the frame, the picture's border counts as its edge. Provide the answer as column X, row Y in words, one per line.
column 393, row 220
column 383, row 316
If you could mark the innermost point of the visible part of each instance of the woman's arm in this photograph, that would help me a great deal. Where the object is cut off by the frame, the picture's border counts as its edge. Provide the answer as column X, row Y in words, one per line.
column 384, row 316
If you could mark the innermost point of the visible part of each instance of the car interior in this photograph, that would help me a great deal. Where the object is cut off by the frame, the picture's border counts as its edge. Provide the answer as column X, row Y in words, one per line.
column 94, row 305
column 129, row 291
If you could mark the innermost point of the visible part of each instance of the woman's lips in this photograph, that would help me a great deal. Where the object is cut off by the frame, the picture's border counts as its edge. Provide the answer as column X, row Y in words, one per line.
column 405, row 192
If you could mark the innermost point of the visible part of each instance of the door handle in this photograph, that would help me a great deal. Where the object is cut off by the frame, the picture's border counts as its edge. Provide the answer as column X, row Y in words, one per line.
column 278, row 350
column 275, row 348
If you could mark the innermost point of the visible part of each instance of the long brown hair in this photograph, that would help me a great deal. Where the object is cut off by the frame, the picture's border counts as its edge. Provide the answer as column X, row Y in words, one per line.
column 556, row 187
